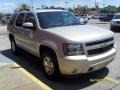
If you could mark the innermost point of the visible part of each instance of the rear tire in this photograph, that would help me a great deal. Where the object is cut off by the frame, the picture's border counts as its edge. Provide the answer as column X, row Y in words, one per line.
column 14, row 47
column 50, row 65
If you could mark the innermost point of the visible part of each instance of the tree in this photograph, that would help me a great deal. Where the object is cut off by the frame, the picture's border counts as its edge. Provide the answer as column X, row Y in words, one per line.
column 70, row 9
column 118, row 9
column 109, row 9
column 23, row 7
column 1, row 15
column 81, row 9
column 52, row 7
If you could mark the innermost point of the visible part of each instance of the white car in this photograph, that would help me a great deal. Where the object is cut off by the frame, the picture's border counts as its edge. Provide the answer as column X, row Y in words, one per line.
column 96, row 16
column 115, row 22
column 82, row 20
column 86, row 16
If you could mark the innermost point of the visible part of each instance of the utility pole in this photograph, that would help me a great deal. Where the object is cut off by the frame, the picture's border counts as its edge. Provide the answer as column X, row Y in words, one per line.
column 96, row 7
column 103, row 5
column 66, row 3
column 32, row 4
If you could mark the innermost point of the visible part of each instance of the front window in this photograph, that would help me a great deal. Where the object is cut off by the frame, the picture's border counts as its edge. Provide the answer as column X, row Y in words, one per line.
column 30, row 18
column 20, row 19
column 117, row 17
column 55, row 19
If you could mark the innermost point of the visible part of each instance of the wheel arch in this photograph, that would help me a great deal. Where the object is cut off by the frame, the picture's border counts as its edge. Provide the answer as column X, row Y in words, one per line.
column 43, row 48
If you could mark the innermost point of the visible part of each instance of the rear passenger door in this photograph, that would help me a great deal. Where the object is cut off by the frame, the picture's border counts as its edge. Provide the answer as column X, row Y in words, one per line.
column 30, row 34
column 19, row 32
column 10, row 25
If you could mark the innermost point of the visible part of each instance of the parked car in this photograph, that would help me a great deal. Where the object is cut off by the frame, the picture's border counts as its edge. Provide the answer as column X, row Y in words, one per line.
column 89, row 17
column 86, row 16
column 115, row 22
column 82, row 20
column 63, row 44
column 106, row 17
column 96, row 16
column 5, row 19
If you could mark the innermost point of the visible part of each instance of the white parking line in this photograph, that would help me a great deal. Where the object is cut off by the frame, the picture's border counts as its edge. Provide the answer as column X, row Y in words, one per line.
column 113, row 80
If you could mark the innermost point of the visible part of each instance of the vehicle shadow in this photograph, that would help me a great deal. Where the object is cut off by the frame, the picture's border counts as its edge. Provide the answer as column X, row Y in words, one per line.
column 32, row 65
column 116, row 30
column 102, row 23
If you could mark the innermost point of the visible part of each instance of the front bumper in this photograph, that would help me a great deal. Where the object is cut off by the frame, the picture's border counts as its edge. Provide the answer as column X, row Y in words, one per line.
column 72, row 65
column 115, row 25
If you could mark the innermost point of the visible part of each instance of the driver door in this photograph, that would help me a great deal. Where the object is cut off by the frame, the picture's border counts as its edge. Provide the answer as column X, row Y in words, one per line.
column 30, row 34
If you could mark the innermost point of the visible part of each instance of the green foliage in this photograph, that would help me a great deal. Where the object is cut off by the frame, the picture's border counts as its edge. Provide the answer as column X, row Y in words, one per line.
column 1, row 15
column 79, row 9
column 52, row 7
column 70, row 9
column 110, row 9
column 83, row 10
column 118, row 9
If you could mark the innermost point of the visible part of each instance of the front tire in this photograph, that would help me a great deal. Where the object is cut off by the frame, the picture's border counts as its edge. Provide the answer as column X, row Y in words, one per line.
column 112, row 28
column 50, row 65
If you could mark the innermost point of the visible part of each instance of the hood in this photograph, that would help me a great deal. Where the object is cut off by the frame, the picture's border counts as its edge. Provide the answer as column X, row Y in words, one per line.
column 81, row 33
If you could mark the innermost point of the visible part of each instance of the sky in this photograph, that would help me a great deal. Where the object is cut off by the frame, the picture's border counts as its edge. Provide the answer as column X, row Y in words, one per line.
column 7, row 6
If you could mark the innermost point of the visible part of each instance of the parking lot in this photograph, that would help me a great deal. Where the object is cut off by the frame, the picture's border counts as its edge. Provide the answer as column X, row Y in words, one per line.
column 23, row 72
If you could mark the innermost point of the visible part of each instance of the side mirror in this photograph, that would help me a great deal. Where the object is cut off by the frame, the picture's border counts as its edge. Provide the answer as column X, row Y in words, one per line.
column 28, row 25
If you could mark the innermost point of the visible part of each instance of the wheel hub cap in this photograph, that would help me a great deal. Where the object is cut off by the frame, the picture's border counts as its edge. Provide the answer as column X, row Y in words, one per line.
column 48, row 65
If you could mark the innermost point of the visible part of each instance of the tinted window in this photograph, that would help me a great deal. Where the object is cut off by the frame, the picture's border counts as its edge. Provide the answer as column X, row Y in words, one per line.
column 30, row 18
column 110, row 16
column 11, row 21
column 19, row 20
column 117, row 17
column 55, row 19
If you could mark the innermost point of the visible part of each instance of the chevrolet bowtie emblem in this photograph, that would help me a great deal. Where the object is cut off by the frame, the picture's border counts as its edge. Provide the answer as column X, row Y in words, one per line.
column 103, row 45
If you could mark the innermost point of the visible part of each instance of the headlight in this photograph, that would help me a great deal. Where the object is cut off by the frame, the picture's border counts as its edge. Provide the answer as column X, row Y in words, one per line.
column 113, row 22
column 73, row 49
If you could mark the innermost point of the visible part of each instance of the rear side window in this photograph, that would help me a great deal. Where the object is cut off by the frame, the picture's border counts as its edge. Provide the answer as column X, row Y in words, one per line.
column 19, row 20
column 11, row 21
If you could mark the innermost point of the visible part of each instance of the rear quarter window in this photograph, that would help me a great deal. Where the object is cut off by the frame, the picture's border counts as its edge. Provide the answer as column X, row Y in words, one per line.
column 12, row 19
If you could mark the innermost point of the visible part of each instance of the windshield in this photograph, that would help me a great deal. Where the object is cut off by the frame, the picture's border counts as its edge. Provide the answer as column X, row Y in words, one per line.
column 55, row 19
column 117, row 17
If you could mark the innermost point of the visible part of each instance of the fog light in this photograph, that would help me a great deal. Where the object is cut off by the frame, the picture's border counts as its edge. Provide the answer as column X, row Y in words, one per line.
column 90, row 69
column 74, row 71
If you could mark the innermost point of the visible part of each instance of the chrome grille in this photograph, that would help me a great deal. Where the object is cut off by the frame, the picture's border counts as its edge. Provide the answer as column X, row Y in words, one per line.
column 98, row 47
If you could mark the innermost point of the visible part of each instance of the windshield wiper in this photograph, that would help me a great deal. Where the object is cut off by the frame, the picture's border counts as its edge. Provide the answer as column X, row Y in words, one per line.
column 55, row 25
column 72, row 24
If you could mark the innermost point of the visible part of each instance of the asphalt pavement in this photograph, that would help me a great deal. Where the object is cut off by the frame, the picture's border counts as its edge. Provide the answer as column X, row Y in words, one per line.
column 23, row 72
column 3, row 30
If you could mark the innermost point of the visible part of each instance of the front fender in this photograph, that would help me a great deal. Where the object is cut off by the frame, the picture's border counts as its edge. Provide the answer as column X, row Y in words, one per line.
column 51, row 44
